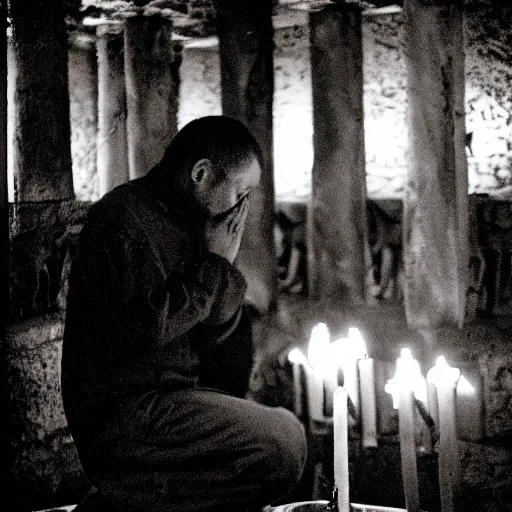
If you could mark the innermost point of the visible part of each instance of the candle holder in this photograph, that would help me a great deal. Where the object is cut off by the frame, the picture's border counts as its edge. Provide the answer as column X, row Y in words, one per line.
column 326, row 506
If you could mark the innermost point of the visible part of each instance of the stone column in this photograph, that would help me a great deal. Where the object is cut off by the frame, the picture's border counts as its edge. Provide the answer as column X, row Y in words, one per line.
column 436, row 198
column 337, row 224
column 4, row 194
column 112, row 138
column 41, row 149
column 83, row 106
column 6, row 424
column 247, row 80
column 151, row 91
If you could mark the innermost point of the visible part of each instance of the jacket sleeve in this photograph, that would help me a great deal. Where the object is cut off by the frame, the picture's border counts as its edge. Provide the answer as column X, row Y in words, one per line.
column 153, row 307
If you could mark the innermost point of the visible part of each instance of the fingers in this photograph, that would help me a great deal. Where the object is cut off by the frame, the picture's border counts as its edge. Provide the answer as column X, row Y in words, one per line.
column 236, row 219
column 223, row 235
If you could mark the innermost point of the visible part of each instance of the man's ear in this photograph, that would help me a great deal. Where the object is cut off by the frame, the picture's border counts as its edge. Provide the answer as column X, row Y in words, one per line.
column 201, row 171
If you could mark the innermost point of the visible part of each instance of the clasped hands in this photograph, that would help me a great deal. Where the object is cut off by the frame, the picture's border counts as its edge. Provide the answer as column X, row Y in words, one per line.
column 223, row 233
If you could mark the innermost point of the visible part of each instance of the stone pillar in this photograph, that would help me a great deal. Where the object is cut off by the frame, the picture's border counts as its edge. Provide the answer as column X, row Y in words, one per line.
column 112, row 138
column 436, row 198
column 337, row 222
column 247, row 80
column 4, row 193
column 41, row 149
column 5, row 425
column 83, row 106
column 151, row 91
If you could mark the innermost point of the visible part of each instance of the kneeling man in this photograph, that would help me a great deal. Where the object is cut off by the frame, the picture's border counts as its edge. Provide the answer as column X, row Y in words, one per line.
column 152, row 290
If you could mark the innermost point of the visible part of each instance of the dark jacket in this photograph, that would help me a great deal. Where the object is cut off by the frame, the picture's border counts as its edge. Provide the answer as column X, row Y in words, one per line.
column 144, row 297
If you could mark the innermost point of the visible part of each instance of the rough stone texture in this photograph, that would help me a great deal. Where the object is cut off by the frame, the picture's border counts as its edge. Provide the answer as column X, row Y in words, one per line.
column 43, row 237
column 488, row 82
column 435, row 220
column 337, row 237
column 83, row 91
column 41, row 127
column 489, row 96
column 488, row 100
column 112, row 161
column 247, row 80
column 151, row 70
column 293, row 116
column 385, row 105
column 43, row 464
column 199, row 84
column 4, row 181
column 45, row 469
column 191, row 18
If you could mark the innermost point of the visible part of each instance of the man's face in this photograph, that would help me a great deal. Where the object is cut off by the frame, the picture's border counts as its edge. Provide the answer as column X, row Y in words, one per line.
column 218, row 198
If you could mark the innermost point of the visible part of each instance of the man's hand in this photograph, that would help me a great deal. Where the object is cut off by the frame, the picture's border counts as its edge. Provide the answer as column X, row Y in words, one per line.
column 223, row 233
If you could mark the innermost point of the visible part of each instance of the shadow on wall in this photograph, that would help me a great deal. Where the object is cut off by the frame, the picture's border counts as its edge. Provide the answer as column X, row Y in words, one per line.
column 44, row 238
column 385, row 248
column 490, row 283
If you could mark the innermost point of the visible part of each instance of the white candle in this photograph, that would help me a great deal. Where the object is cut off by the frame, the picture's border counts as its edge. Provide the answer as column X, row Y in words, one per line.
column 402, row 389
column 368, row 403
column 408, row 450
column 320, row 362
column 445, row 378
column 298, row 361
column 433, row 412
column 348, row 352
column 432, row 402
column 341, row 474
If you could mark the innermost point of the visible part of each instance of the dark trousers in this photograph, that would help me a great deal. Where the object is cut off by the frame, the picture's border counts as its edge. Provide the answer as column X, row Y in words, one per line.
column 197, row 450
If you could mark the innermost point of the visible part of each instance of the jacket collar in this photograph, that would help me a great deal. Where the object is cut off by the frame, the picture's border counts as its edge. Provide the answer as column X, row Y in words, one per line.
column 175, row 202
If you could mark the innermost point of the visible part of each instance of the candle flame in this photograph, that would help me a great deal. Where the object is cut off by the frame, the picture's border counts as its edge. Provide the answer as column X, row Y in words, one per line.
column 443, row 373
column 358, row 346
column 296, row 356
column 464, row 387
column 408, row 376
column 319, row 350
column 348, row 350
column 406, row 353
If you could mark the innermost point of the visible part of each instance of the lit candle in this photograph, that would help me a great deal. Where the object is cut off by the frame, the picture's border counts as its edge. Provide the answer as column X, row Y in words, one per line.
column 340, row 426
column 348, row 352
column 319, row 368
column 432, row 402
column 366, row 392
column 298, row 361
column 368, row 403
column 401, row 388
column 433, row 412
column 470, row 413
column 445, row 378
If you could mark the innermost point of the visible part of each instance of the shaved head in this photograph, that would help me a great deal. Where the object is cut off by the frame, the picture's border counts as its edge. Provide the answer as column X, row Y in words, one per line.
column 213, row 160
column 226, row 142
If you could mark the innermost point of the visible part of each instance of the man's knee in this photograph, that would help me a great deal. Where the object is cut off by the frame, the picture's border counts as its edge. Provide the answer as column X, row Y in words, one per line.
column 286, row 448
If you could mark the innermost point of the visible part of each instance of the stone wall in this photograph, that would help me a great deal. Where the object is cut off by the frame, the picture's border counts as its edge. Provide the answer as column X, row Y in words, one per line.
column 45, row 470
column 83, row 91
column 488, row 101
column 199, row 84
